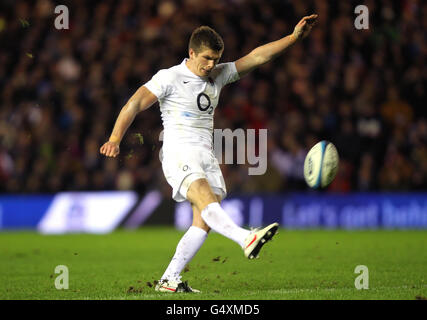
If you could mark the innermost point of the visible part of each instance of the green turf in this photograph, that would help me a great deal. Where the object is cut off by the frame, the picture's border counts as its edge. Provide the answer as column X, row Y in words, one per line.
column 296, row 265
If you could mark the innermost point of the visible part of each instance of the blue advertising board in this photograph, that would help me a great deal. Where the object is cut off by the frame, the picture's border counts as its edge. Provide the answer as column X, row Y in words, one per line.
column 93, row 212
column 324, row 210
column 23, row 211
column 53, row 213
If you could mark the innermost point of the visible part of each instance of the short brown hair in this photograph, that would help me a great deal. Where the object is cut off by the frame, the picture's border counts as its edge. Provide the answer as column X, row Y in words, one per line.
column 205, row 36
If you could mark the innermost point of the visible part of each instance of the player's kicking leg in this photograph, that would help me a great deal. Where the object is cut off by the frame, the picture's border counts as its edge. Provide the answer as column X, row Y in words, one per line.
column 207, row 213
column 201, row 195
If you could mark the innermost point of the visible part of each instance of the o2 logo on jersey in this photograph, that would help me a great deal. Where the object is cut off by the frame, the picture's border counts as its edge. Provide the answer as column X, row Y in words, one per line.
column 204, row 103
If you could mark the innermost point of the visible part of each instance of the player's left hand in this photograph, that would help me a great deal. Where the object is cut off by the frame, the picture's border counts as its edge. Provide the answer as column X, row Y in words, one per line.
column 303, row 28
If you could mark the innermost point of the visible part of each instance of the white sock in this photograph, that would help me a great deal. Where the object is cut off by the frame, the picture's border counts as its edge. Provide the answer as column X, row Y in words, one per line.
column 187, row 247
column 217, row 219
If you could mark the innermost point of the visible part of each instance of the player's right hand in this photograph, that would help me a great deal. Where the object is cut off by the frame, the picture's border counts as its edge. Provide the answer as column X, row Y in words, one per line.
column 110, row 149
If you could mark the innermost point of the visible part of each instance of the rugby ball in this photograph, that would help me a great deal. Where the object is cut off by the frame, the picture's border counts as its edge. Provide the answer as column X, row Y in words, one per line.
column 321, row 165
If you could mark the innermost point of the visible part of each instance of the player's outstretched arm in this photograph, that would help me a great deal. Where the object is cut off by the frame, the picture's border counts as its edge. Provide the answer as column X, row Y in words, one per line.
column 269, row 51
column 141, row 100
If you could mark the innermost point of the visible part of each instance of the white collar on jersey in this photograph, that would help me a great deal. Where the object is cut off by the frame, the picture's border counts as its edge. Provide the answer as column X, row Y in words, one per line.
column 190, row 73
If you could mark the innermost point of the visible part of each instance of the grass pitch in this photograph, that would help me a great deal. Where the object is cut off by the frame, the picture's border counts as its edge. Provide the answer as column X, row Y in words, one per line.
column 295, row 265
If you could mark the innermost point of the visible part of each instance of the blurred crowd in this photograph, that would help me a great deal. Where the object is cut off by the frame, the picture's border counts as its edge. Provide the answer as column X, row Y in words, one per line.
column 363, row 90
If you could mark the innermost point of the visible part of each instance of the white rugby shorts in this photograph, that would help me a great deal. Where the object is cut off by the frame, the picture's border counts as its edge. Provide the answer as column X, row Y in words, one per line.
column 185, row 164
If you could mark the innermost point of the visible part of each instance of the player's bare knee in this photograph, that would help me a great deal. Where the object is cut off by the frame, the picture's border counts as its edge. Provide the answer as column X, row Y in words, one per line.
column 200, row 194
column 197, row 188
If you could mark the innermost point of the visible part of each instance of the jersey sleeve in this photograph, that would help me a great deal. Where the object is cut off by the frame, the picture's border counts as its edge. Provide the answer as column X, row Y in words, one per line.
column 159, row 84
column 228, row 73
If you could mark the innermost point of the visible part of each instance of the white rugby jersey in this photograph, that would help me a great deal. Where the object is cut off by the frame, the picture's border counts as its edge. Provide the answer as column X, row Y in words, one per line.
column 187, row 102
